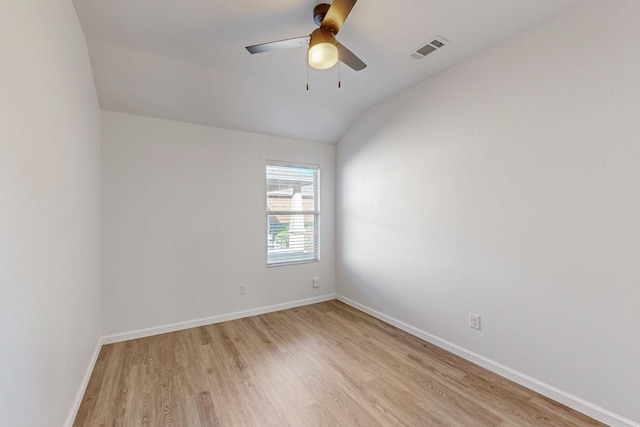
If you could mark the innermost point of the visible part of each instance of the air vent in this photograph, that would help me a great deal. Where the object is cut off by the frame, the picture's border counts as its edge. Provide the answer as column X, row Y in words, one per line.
column 436, row 43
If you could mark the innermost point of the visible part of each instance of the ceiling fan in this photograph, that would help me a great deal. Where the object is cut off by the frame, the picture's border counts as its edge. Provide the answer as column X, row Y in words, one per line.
column 324, row 50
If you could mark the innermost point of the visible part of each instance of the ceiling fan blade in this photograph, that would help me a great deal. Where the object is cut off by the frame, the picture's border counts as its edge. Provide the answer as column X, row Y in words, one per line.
column 350, row 58
column 337, row 14
column 280, row 44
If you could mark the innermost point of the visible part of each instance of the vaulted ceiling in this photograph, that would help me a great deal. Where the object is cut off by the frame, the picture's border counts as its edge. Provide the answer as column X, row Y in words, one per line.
column 186, row 60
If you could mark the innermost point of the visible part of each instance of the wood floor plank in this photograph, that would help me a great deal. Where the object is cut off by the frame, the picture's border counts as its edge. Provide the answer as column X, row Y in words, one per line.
column 320, row 365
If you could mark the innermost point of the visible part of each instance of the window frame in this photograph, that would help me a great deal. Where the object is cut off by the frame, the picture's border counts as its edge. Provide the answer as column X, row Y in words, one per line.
column 316, row 212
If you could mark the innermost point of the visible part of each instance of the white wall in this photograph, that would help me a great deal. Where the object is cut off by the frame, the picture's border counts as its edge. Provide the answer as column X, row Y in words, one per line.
column 184, row 222
column 49, row 212
column 509, row 186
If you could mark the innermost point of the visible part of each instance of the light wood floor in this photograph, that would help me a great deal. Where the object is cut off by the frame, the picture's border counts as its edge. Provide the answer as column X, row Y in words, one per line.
column 321, row 365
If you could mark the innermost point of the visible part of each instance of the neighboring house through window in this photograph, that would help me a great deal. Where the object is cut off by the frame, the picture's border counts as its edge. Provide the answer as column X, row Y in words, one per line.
column 293, row 213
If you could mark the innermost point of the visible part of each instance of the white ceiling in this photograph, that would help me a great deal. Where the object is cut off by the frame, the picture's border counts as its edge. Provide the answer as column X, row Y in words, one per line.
column 186, row 60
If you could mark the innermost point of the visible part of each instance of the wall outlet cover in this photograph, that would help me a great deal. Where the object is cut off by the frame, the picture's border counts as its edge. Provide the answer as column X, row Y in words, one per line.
column 474, row 321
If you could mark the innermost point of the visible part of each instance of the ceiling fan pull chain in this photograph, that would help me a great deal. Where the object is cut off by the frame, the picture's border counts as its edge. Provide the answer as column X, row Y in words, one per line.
column 307, row 76
column 339, row 75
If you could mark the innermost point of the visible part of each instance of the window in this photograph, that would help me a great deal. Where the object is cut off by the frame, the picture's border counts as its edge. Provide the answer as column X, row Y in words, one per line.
column 293, row 213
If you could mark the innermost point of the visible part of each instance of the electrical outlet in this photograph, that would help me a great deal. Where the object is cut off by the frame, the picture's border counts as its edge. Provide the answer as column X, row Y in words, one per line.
column 316, row 282
column 474, row 321
column 243, row 289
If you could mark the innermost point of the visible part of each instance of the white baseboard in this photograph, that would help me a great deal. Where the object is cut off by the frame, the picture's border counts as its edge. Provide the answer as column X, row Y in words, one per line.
column 580, row 405
column 83, row 385
column 142, row 333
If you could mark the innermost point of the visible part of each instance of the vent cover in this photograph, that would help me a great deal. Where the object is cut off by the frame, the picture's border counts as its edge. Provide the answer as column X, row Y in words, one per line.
column 436, row 43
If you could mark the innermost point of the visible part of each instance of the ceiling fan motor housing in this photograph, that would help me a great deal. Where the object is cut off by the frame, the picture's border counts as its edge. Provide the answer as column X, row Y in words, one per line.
column 319, row 12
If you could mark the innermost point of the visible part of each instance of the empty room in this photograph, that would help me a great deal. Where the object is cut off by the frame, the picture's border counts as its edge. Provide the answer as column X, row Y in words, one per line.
column 309, row 213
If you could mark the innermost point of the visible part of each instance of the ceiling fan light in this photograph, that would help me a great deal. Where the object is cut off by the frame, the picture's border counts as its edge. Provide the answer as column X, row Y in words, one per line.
column 323, row 56
column 323, row 52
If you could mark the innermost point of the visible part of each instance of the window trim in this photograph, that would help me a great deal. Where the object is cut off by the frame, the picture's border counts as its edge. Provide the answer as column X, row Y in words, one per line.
column 315, row 213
